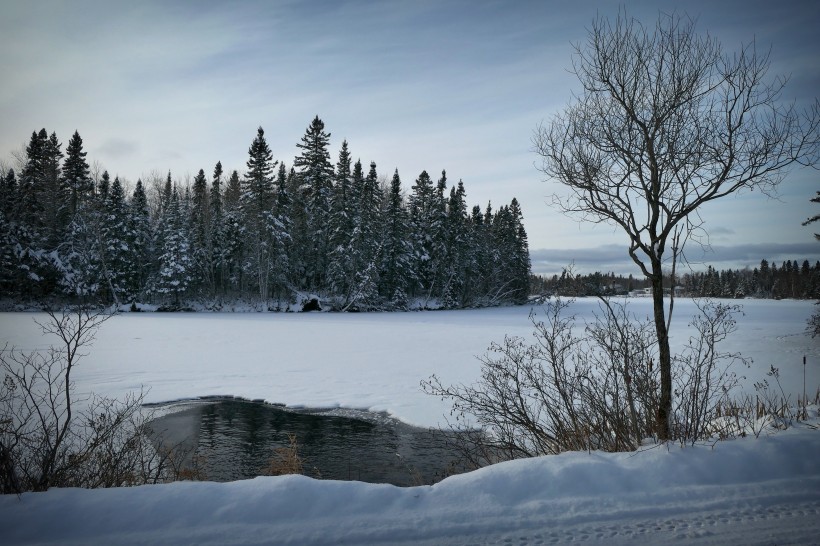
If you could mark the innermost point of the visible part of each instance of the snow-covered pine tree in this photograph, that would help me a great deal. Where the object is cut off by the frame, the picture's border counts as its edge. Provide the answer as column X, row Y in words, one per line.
column 477, row 258
column 396, row 271
column 234, row 236
column 114, row 251
column 457, row 251
column 257, row 210
column 341, row 227
column 175, row 264
column 280, row 230
column 139, row 241
column 423, row 227
column 216, row 233
column 366, row 243
column 316, row 178
column 300, row 241
column 40, row 218
column 200, row 222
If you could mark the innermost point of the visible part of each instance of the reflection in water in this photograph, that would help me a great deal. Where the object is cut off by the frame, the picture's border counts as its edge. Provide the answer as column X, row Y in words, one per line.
column 235, row 440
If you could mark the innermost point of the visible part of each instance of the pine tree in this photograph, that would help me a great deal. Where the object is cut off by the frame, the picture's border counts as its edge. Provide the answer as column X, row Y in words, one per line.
column 76, row 178
column 424, row 226
column 216, row 230
column 32, row 211
column 300, row 241
column 257, row 210
column 200, row 222
column 281, row 235
column 316, row 180
column 341, row 227
column 115, row 253
column 234, row 234
column 40, row 219
column 478, row 264
column 520, row 269
column 457, row 252
column 396, row 272
column 105, row 184
column 140, row 238
column 175, row 264
column 366, row 243
column 9, row 194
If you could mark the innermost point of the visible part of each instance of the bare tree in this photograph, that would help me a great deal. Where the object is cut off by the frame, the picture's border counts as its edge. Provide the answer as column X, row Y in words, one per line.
column 667, row 122
column 567, row 390
column 46, row 441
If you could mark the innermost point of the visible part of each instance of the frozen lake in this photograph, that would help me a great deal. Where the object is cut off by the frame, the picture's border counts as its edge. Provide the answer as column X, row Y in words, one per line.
column 370, row 361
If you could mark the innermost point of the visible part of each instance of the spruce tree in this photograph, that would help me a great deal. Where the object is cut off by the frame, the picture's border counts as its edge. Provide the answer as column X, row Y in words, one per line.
column 257, row 210
column 216, row 230
column 32, row 211
column 520, row 258
column 457, row 251
column 140, row 238
column 76, row 174
column 115, row 251
column 424, row 227
column 316, row 181
column 341, row 227
column 366, row 244
column 175, row 265
column 104, row 185
column 396, row 272
column 200, row 221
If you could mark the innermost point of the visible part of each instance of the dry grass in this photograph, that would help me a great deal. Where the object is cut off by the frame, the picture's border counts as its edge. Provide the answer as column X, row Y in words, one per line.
column 285, row 460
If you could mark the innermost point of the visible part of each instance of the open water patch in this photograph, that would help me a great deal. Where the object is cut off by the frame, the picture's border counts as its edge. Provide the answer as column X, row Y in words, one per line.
column 232, row 439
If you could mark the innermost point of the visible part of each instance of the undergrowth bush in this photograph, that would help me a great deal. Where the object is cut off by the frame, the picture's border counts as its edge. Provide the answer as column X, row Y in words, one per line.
column 51, row 438
column 597, row 390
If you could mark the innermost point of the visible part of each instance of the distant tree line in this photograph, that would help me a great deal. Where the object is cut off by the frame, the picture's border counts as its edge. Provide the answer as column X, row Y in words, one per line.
column 269, row 235
column 790, row 280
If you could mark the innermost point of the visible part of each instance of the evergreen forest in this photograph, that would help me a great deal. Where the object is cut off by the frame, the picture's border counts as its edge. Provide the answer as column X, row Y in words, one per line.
column 273, row 236
column 768, row 281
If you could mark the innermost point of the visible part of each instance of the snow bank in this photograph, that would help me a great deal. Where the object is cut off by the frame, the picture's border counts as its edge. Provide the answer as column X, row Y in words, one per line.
column 749, row 491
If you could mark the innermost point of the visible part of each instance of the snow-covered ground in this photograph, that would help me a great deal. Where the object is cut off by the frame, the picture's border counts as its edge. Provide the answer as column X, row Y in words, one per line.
column 761, row 491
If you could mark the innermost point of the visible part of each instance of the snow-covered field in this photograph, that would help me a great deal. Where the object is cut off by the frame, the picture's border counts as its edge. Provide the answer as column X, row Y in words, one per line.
column 761, row 491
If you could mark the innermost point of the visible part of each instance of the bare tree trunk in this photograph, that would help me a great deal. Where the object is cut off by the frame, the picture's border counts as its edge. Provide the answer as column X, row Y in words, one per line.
column 664, row 354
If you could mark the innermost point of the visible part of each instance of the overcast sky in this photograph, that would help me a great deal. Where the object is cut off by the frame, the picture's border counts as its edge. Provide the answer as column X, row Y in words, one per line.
column 412, row 85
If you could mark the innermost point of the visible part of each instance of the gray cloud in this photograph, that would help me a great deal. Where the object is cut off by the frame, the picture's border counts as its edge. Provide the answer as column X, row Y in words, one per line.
column 117, row 148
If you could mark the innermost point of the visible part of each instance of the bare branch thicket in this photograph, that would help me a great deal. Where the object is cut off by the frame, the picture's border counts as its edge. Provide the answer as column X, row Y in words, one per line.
column 704, row 376
column 566, row 391
column 45, row 441
column 665, row 123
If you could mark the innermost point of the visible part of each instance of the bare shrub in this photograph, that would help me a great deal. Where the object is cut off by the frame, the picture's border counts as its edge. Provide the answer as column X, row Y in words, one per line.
column 703, row 376
column 570, row 392
column 46, row 441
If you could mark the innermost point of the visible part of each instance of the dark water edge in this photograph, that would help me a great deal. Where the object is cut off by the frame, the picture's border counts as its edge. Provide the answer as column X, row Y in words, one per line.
column 231, row 439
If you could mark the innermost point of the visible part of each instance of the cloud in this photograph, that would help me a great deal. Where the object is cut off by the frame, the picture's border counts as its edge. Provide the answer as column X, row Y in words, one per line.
column 117, row 148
